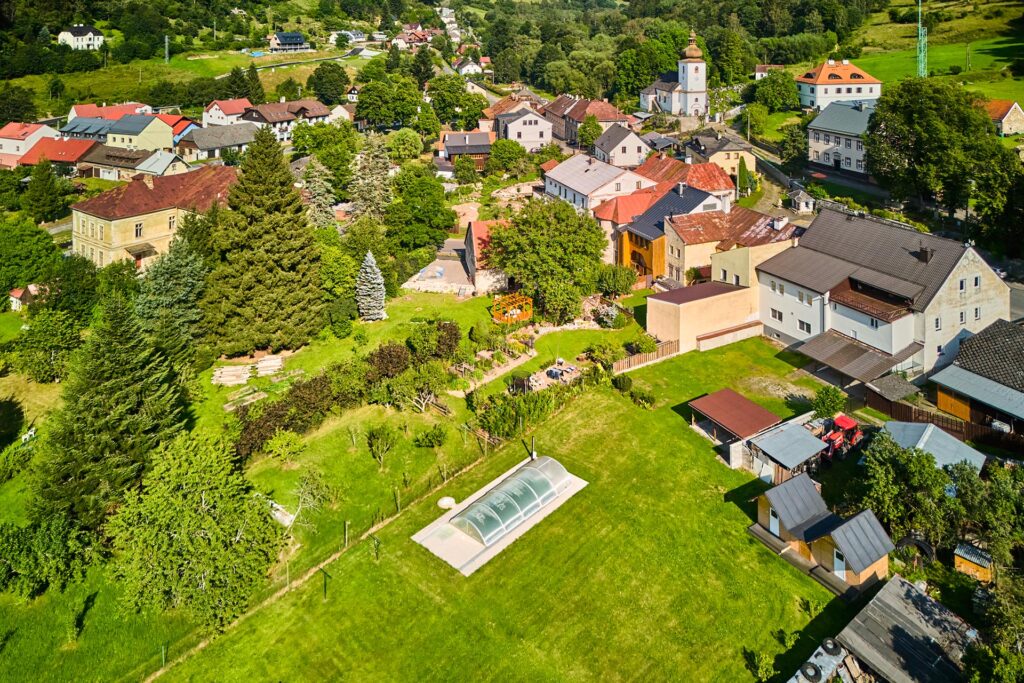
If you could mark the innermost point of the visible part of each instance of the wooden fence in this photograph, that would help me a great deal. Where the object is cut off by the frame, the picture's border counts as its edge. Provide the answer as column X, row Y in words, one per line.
column 964, row 431
column 665, row 349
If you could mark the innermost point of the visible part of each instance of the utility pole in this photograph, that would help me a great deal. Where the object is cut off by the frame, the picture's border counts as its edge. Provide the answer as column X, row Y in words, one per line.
column 167, row 49
column 215, row 30
column 922, row 44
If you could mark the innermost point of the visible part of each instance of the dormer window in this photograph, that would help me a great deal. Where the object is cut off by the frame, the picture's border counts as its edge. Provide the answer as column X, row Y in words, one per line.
column 856, row 76
column 834, row 77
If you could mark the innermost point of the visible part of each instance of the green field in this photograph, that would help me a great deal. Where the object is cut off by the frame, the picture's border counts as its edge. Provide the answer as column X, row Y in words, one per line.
column 10, row 326
column 647, row 573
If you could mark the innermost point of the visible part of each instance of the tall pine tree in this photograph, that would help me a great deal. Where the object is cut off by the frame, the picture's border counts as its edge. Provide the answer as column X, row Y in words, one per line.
column 121, row 400
column 43, row 197
column 264, row 289
column 172, row 288
column 370, row 290
column 321, row 194
column 236, row 84
column 257, row 95
column 371, row 187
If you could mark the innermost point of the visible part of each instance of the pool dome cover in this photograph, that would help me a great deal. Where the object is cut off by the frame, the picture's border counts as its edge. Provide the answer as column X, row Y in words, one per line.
column 513, row 501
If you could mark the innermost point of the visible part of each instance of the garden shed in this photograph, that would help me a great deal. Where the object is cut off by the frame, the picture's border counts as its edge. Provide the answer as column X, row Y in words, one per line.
column 727, row 418
column 785, row 451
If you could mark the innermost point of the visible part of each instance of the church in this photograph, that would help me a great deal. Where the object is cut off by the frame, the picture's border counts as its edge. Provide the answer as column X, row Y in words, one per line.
column 683, row 93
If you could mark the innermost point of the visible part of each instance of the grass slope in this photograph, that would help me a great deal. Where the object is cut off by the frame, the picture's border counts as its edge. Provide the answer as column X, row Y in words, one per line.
column 646, row 574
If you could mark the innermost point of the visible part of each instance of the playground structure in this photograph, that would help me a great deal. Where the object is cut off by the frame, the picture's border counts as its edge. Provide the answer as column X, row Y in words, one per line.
column 512, row 308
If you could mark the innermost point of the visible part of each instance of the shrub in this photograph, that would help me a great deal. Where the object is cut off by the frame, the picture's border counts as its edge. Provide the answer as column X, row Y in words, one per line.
column 13, row 459
column 480, row 333
column 432, row 438
column 285, row 446
column 302, row 408
column 955, row 69
column 615, row 280
column 605, row 316
column 604, row 354
column 380, row 439
column 828, row 400
column 642, row 397
column 643, row 344
column 388, row 360
column 623, row 383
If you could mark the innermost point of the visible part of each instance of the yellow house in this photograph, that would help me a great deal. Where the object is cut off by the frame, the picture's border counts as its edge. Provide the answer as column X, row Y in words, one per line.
column 137, row 221
column 139, row 131
column 704, row 316
column 723, row 151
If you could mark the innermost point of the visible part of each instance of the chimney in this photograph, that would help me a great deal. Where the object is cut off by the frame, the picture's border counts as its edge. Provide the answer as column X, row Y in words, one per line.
column 682, row 186
column 147, row 179
column 924, row 254
column 718, row 135
column 779, row 222
column 689, row 159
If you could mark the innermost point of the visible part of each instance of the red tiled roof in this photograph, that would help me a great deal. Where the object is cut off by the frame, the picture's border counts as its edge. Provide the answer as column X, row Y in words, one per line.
column 627, row 208
column 549, row 164
column 112, row 112
column 197, row 190
column 741, row 227
column 275, row 112
column 481, row 232
column 177, row 122
column 836, row 72
column 18, row 131
column 701, row 228
column 58, row 151
column 998, row 109
column 708, row 177
column 231, row 107
column 578, row 109
column 9, row 160
column 662, row 167
column 738, row 415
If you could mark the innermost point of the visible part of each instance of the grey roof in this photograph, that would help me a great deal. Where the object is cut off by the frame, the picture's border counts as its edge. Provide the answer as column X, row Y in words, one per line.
column 79, row 30
column 982, row 389
column 158, row 162
column 996, row 353
column 893, row 387
column 218, row 137
column 853, row 358
column 584, row 174
column 712, row 144
column 801, row 509
column 944, row 448
column 131, row 124
column 651, row 223
column 862, row 540
column 907, row 637
column 612, row 138
column 658, row 141
column 87, row 125
column 290, row 37
column 117, row 157
column 467, row 143
column 838, row 245
column 666, row 81
column 789, row 444
column 973, row 553
column 848, row 118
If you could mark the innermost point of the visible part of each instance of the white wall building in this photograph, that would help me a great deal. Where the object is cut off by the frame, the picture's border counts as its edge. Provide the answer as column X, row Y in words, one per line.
column 684, row 93
column 525, row 126
column 835, row 138
column 225, row 112
column 81, row 37
column 836, row 82
column 619, row 146
column 585, row 182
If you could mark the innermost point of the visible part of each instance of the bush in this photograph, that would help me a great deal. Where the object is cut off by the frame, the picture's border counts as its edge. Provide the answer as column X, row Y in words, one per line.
column 388, row 360
column 285, row 446
column 605, row 316
column 828, row 401
column 955, row 69
column 623, row 383
column 643, row 344
column 432, row 438
column 615, row 280
column 642, row 397
column 604, row 354
column 13, row 459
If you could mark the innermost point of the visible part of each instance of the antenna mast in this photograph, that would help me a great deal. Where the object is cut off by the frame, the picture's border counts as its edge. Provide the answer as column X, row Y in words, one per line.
column 922, row 45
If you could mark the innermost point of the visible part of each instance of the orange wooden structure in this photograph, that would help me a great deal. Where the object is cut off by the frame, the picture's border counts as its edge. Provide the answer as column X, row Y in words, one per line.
column 512, row 308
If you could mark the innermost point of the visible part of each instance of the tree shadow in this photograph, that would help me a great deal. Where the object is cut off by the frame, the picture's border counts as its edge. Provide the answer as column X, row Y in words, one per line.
column 5, row 638
column 793, row 358
column 87, row 605
column 826, row 624
column 798, row 404
column 12, row 420
column 745, row 497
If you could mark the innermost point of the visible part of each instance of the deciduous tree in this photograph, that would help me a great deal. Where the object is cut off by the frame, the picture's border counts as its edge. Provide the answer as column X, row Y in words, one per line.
column 330, row 82
column 27, row 254
column 589, row 131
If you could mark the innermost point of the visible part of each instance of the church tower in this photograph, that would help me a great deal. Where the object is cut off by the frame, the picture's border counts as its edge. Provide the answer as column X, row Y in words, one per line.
column 693, row 81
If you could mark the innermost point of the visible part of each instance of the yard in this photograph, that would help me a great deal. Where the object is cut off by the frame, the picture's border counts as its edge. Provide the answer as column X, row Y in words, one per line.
column 648, row 572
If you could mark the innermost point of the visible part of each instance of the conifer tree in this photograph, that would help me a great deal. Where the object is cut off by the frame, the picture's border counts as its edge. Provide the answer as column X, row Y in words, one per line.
column 370, row 290
column 43, row 197
column 321, row 195
column 423, row 66
column 121, row 400
column 264, row 289
column 236, row 84
column 427, row 124
column 257, row 95
column 371, row 187
column 172, row 288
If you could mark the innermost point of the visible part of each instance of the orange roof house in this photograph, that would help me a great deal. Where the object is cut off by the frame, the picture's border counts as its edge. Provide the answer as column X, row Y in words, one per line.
column 706, row 176
column 194, row 191
column 230, row 107
column 112, row 112
column 58, row 151
column 834, row 81
column 1007, row 115
column 836, row 72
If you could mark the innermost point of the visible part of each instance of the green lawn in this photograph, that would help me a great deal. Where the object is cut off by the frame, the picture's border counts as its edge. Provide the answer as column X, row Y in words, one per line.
column 10, row 326
column 648, row 570
column 776, row 121
column 751, row 200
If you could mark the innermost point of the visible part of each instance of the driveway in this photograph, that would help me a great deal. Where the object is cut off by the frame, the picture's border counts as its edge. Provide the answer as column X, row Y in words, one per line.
column 1016, row 301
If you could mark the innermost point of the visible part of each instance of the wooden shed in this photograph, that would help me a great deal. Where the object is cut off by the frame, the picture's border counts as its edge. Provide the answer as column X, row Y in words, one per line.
column 971, row 560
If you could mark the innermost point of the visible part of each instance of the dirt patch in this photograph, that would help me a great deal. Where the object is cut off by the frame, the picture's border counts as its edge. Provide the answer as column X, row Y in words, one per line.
column 467, row 213
column 794, row 395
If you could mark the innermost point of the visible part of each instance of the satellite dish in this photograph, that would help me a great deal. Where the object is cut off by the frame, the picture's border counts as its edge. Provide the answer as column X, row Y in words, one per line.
column 812, row 672
column 830, row 646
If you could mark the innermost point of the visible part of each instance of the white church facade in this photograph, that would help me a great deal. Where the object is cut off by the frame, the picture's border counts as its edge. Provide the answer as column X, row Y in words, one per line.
column 687, row 94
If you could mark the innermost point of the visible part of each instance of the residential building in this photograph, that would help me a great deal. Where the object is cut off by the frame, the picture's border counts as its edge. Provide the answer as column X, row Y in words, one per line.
column 703, row 316
column 16, row 139
column 288, row 41
column 21, row 298
column 835, row 138
column 225, row 112
column 725, row 151
column 112, row 112
column 283, row 116
column 525, row 126
column 1007, row 115
column 474, row 144
column 353, row 94
column 465, row 67
column 836, row 82
column 65, row 155
column 119, row 163
column 487, row 280
column 945, row 449
column 659, row 142
column 762, row 70
column 87, row 128
column 141, row 131
column 864, row 296
column 684, row 92
column 180, row 125
column 585, row 182
column 619, row 146
column 81, row 37
column 974, row 561
column 353, row 36
column 137, row 220
column 522, row 100
column 801, row 202
column 567, row 112
column 855, row 551
column 985, row 383
column 210, row 143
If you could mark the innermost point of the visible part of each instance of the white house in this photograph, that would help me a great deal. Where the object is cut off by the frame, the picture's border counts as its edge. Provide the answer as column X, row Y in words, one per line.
column 225, row 112
column 282, row 117
column 685, row 92
column 81, row 37
column 864, row 296
column 619, row 146
column 835, row 138
column 16, row 139
column 467, row 67
column 484, row 278
column 836, row 82
column 585, row 182
column 525, row 126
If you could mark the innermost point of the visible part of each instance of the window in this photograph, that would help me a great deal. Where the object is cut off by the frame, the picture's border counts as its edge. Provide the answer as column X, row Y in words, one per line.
column 101, row 231
column 815, row 155
column 828, row 157
column 817, row 136
column 138, row 230
column 860, row 164
column 638, row 184
column 977, row 313
column 776, row 314
column 736, row 280
column 725, row 275
column 938, row 323
column 782, row 288
column 709, row 207
column 963, row 285
column 828, row 138
column 773, row 285
column 860, row 145
column 859, row 89
column 977, row 281
column 874, row 324
column 963, row 317
column 618, row 187
column 623, row 149
column 800, row 297
column 846, row 162
column 804, row 327
column 639, row 150
column 938, row 350
column 849, row 143
column 541, row 136
column 519, row 135
column 171, row 222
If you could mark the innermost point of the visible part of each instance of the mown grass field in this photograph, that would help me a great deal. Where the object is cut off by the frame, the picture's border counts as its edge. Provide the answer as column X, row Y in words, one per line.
column 646, row 574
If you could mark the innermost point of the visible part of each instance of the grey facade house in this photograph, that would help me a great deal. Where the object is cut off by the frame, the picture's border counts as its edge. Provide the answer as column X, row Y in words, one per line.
column 87, row 128
column 210, row 143
column 835, row 138
column 619, row 146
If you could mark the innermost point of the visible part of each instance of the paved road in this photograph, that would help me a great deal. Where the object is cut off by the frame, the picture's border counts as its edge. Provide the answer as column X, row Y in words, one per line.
column 1016, row 301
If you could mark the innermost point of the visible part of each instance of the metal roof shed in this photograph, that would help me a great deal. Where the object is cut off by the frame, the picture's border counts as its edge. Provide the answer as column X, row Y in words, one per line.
column 739, row 417
column 790, row 445
column 944, row 448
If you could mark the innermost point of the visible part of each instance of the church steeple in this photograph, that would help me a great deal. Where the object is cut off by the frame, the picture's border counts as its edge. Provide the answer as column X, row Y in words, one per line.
column 692, row 51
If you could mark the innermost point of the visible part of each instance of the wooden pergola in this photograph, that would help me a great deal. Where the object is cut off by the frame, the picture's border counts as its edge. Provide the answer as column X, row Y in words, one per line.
column 512, row 308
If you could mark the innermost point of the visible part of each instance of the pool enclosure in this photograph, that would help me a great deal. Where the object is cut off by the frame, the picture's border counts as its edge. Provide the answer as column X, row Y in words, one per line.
column 513, row 501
